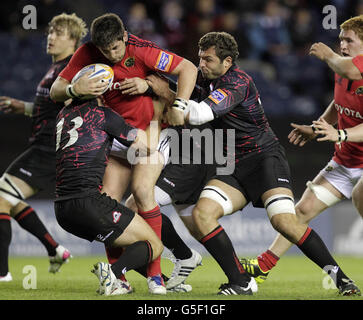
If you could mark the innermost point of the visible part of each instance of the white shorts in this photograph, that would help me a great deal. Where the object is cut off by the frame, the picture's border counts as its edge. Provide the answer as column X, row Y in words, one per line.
column 120, row 150
column 342, row 178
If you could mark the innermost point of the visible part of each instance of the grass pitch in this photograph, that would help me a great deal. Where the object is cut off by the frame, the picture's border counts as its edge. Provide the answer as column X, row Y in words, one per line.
column 294, row 278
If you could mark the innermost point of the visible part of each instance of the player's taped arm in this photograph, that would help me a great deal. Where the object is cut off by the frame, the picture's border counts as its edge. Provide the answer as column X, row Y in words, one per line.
column 198, row 113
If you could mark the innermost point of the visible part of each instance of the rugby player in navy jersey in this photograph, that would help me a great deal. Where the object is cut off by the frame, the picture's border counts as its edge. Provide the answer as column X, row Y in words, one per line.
column 230, row 101
column 34, row 169
column 85, row 133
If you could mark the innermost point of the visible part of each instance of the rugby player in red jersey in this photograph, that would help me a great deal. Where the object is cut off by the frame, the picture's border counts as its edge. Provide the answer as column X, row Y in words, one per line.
column 132, row 59
column 342, row 176
column 34, row 170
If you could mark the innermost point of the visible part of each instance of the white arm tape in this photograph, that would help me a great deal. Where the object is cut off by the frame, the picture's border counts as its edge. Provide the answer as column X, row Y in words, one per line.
column 199, row 113
column 28, row 108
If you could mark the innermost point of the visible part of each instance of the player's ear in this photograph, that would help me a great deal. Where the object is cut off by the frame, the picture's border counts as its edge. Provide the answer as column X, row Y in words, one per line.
column 227, row 62
column 126, row 36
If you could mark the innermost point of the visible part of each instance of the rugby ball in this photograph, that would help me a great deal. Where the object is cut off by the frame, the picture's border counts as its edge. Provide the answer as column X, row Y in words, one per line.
column 98, row 69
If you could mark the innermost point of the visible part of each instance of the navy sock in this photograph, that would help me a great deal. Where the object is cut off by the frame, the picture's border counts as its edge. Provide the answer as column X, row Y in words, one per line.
column 5, row 239
column 315, row 249
column 29, row 221
column 172, row 240
column 136, row 255
column 220, row 247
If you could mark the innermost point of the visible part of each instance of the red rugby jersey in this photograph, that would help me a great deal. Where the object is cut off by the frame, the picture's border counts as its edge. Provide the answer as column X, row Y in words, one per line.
column 348, row 100
column 141, row 58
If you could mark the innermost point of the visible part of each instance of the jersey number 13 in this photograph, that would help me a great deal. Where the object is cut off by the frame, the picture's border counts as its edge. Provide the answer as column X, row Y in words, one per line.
column 73, row 134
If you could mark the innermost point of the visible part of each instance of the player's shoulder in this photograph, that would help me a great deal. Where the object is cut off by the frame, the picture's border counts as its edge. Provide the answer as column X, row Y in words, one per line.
column 88, row 48
column 139, row 43
column 235, row 75
column 63, row 61
column 358, row 58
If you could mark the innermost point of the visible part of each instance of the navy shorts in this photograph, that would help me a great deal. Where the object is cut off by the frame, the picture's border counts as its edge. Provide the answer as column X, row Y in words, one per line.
column 34, row 166
column 94, row 217
column 255, row 175
column 185, row 182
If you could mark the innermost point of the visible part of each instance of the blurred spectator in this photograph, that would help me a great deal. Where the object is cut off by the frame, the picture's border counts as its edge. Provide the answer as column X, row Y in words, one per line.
column 173, row 25
column 302, row 30
column 87, row 9
column 230, row 22
column 203, row 18
column 139, row 24
column 269, row 35
column 273, row 36
column 204, row 10
column 359, row 8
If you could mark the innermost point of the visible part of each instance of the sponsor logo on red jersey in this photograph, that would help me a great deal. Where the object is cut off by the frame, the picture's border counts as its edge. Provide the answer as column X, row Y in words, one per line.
column 348, row 112
column 164, row 61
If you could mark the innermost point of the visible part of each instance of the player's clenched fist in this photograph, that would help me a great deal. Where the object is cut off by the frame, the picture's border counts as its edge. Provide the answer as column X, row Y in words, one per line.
column 321, row 51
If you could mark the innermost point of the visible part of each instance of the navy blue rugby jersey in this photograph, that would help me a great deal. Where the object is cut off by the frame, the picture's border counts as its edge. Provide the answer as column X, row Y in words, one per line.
column 84, row 135
column 45, row 109
column 235, row 102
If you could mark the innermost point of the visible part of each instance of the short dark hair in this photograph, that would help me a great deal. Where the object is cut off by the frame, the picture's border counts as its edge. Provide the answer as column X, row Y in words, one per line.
column 107, row 29
column 224, row 43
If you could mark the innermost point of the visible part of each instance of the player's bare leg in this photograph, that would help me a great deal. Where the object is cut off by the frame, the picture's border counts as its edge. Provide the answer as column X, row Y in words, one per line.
column 184, row 258
column 142, row 246
column 144, row 176
column 279, row 206
column 28, row 220
column 116, row 178
column 307, row 209
column 357, row 196
column 143, row 181
column 209, row 208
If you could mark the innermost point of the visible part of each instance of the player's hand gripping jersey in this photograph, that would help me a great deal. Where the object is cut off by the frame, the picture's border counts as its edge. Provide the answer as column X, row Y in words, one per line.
column 235, row 103
column 348, row 100
column 45, row 110
column 83, row 141
column 141, row 58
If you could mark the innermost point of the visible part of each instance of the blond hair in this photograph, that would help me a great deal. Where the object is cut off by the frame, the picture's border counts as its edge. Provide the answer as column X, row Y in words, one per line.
column 77, row 28
column 355, row 24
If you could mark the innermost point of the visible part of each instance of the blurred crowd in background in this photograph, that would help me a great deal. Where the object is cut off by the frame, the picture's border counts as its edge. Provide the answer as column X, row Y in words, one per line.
column 274, row 38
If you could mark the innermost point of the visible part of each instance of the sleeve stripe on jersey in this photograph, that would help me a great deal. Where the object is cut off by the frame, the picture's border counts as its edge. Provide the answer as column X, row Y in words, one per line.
column 137, row 43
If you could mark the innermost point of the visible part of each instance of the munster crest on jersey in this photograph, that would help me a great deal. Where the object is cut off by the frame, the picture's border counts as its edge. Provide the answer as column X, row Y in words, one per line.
column 359, row 90
column 130, row 62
